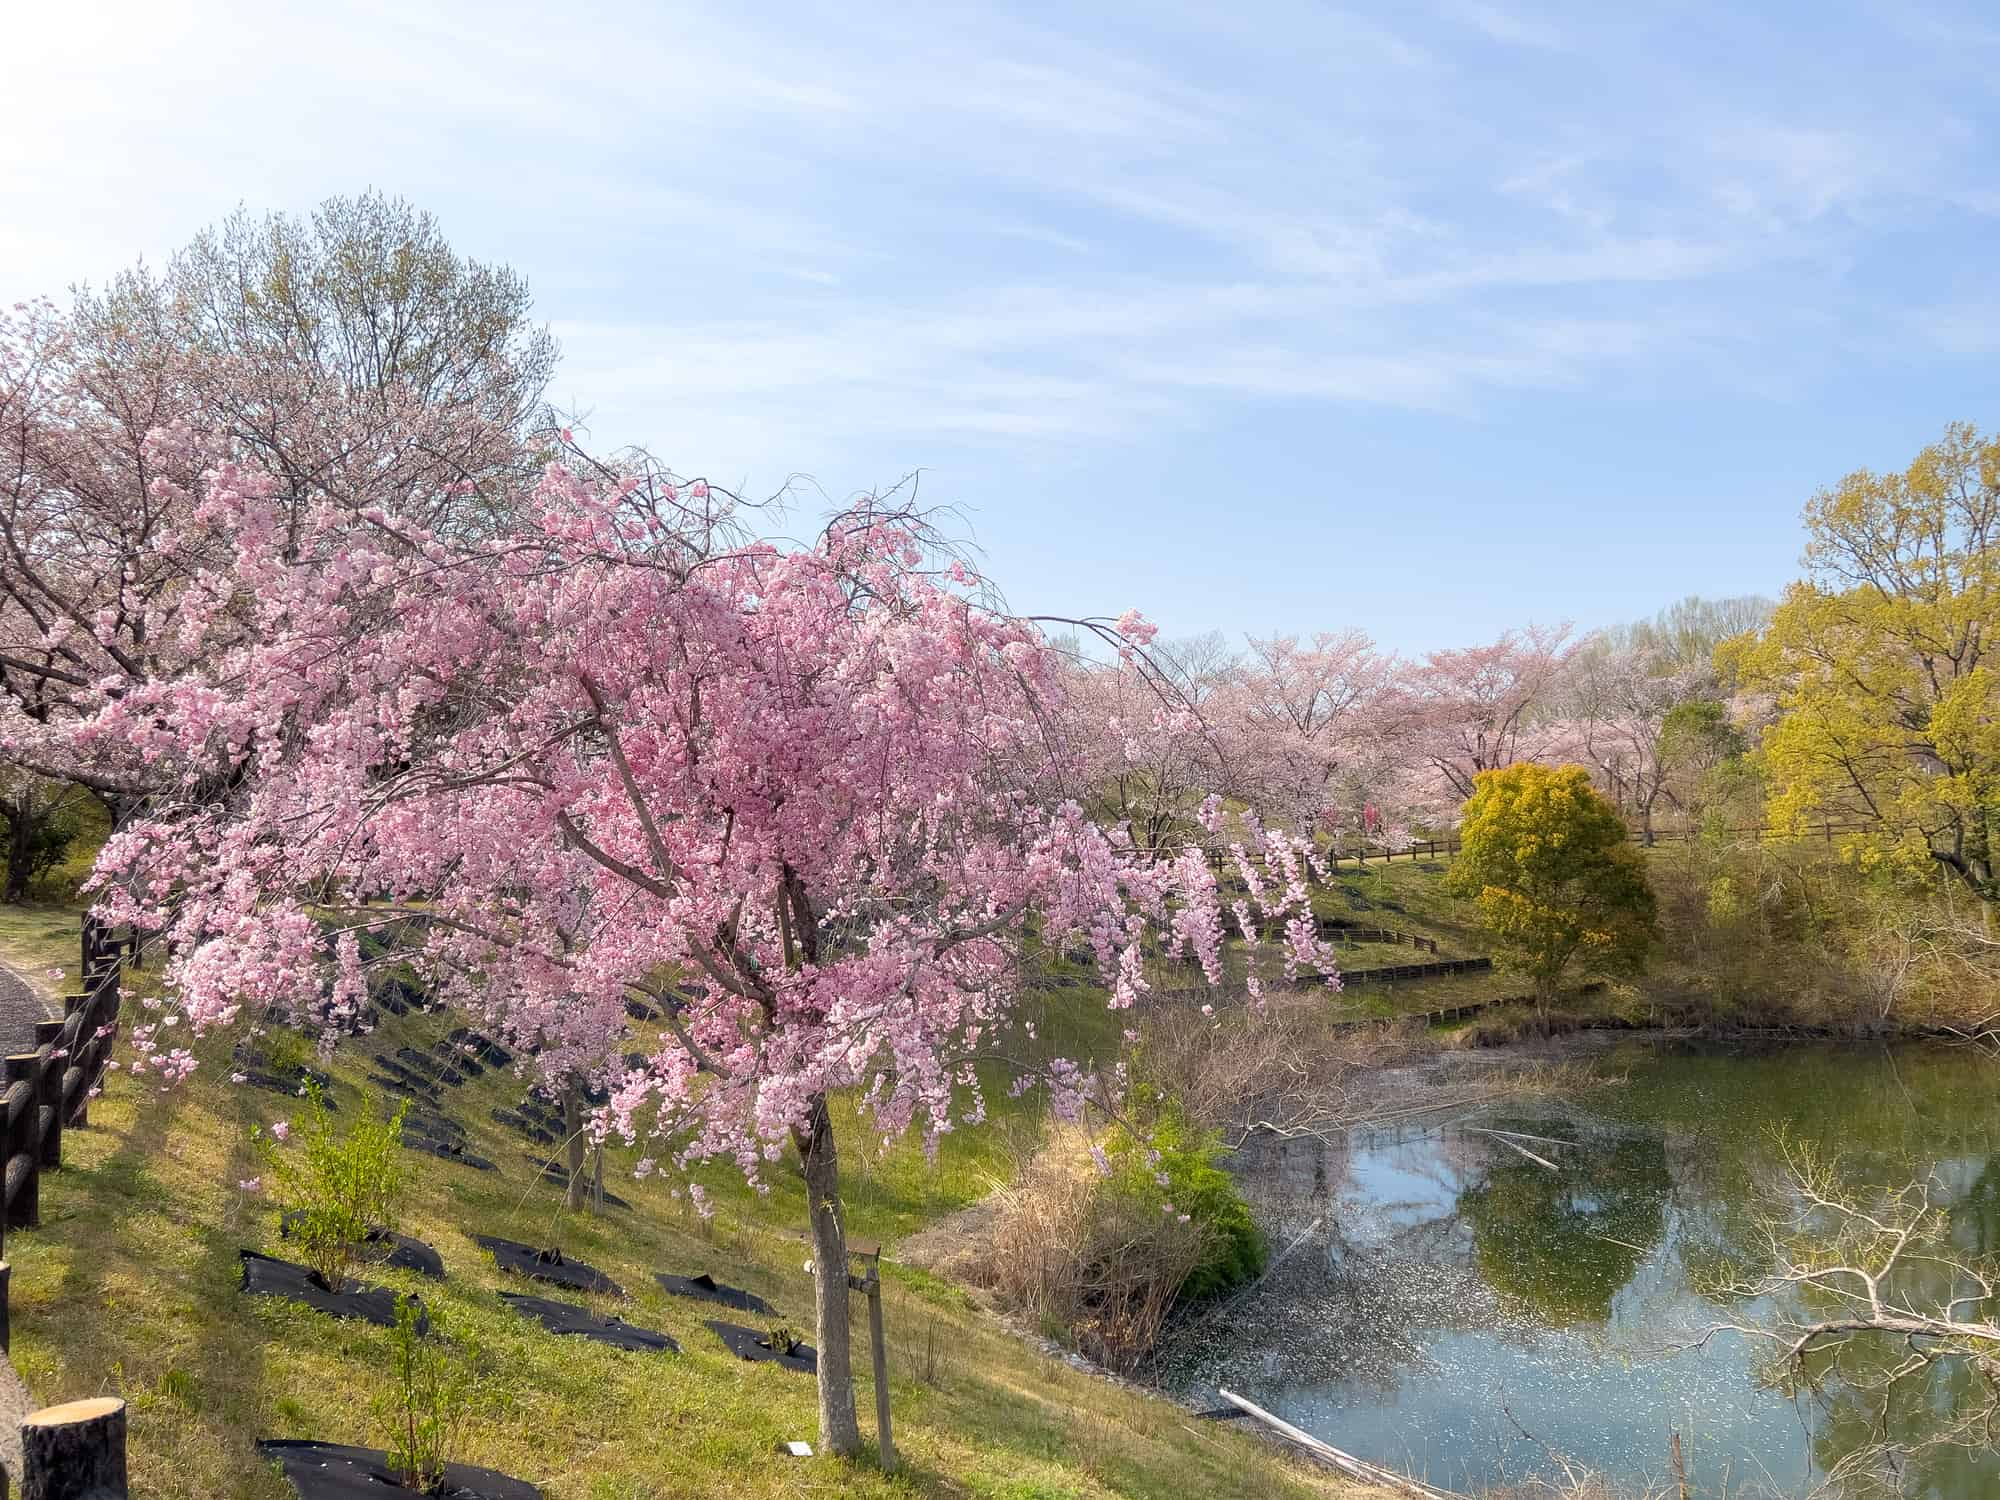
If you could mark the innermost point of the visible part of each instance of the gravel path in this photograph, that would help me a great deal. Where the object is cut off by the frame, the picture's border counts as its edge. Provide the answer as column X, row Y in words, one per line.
column 21, row 1005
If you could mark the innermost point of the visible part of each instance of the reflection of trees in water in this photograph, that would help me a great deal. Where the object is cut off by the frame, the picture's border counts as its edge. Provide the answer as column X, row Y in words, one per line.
column 1564, row 1242
column 1905, row 1442
column 1975, row 1216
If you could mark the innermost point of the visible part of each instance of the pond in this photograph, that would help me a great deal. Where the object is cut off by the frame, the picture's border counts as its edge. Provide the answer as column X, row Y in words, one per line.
column 1466, row 1313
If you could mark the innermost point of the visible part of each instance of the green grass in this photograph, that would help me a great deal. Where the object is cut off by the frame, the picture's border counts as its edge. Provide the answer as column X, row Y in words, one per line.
column 130, row 1287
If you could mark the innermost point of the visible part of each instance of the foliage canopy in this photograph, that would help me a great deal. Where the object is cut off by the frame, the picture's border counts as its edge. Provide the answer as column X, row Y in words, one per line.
column 1553, row 870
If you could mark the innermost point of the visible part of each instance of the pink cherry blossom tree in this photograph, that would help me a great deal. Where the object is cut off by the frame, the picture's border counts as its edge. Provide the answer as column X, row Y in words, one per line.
column 1482, row 708
column 351, row 357
column 1307, row 728
column 1143, row 735
column 802, row 798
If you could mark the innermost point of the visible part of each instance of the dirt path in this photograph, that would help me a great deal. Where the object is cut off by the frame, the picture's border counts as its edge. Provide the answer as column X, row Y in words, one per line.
column 21, row 1006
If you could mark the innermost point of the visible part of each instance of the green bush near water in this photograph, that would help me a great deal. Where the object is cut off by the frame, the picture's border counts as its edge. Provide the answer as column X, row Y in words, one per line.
column 1196, row 1185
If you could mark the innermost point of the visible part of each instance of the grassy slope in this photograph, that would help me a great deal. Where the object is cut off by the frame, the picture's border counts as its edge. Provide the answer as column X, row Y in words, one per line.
column 130, row 1287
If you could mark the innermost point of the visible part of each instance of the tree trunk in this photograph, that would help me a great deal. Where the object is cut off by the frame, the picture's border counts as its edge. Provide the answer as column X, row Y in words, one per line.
column 20, row 842
column 573, row 1196
column 839, row 1428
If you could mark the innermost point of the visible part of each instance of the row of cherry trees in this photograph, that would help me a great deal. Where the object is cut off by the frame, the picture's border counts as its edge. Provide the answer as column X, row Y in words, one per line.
column 350, row 635
column 1328, row 734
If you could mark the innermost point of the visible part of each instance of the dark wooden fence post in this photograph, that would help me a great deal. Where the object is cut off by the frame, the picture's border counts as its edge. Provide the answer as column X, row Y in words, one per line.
column 48, row 1042
column 83, row 1052
column 22, row 1167
column 75, row 1451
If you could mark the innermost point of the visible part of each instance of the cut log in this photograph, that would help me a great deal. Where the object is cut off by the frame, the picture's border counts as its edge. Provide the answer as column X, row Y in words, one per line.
column 75, row 1451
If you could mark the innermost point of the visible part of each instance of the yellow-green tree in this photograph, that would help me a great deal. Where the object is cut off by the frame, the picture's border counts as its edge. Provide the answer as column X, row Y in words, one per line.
column 1559, row 886
column 1881, row 668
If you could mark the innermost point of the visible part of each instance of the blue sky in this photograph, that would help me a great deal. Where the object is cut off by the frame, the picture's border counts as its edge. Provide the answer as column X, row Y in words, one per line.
column 1427, row 318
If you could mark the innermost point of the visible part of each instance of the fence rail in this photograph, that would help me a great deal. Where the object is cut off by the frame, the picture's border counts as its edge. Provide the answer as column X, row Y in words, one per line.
column 75, row 1451
column 1431, row 848
column 48, row 1090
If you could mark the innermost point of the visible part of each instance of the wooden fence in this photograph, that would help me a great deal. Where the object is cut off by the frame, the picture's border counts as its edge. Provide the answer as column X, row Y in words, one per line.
column 1397, row 973
column 75, row 1451
column 1430, row 848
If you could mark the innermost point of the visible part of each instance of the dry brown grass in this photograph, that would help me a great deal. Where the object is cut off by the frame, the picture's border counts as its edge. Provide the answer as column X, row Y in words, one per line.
column 1083, row 1260
column 1291, row 1066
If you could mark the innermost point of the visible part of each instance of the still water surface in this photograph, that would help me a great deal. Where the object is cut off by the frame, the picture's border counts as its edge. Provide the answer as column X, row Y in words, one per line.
column 1468, row 1298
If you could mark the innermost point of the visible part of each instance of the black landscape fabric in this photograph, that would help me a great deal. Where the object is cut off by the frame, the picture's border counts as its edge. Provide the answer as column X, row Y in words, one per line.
column 331, row 1471
column 449, row 1150
column 568, row 1318
column 385, row 1247
column 708, row 1289
column 264, row 1276
column 546, row 1265
column 753, row 1344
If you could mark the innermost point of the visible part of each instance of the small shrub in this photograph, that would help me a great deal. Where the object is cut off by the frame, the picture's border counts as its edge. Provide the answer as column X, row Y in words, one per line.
column 425, row 1410
column 1094, row 1258
column 1233, row 1246
column 340, row 1185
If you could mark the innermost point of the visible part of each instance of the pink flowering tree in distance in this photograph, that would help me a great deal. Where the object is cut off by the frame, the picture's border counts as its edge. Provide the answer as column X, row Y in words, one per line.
column 802, row 798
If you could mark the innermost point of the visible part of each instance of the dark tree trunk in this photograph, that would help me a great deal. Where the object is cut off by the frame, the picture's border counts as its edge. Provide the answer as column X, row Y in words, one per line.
column 573, row 1194
column 839, row 1428
column 20, row 850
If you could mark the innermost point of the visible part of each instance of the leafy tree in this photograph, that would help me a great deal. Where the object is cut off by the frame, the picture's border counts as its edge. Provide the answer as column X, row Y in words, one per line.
column 41, row 822
column 1553, row 870
column 1882, row 663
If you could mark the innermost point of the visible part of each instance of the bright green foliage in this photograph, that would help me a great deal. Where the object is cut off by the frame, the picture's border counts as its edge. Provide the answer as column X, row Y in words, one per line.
column 1890, row 704
column 340, row 1185
column 1196, row 1186
column 426, row 1408
column 1553, row 871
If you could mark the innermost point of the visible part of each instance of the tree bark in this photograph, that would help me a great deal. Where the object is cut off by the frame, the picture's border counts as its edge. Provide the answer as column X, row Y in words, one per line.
column 839, row 1427
column 75, row 1452
column 20, row 843
column 573, row 1194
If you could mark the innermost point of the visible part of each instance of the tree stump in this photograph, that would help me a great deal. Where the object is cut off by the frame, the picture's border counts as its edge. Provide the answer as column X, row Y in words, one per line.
column 75, row 1451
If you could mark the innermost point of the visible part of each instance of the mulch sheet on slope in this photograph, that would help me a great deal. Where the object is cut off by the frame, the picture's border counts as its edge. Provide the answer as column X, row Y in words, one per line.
column 708, row 1289
column 754, row 1344
column 568, row 1318
column 266, row 1276
column 385, row 1247
column 332, row 1471
column 546, row 1265
column 448, row 1151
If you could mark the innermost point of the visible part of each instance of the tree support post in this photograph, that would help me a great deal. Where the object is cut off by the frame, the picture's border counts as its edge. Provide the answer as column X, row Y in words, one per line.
column 75, row 1451
column 870, row 1286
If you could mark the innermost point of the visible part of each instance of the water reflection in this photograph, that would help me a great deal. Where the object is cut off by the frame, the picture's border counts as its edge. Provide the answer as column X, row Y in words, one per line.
column 1470, row 1297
